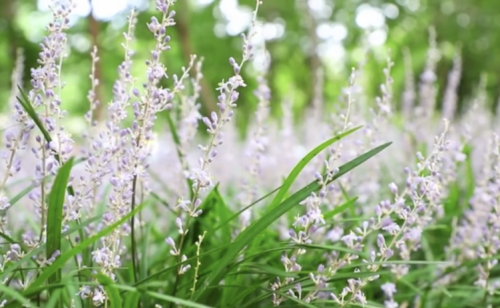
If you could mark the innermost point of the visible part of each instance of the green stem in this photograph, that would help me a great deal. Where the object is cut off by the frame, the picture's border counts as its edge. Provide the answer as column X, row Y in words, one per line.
column 132, row 234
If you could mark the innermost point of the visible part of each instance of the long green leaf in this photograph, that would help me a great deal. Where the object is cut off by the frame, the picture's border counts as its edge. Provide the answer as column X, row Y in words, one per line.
column 55, row 298
column 281, row 189
column 55, row 213
column 303, row 162
column 65, row 257
column 26, row 191
column 163, row 297
column 16, row 296
column 26, row 104
column 223, row 213
column 115, row 299
column 34, row 252
column 261, row 224
column 145, row 260
column 339, row 209
column 132, row 299
column 225, row 223
column 21, row 194
column 7, row 238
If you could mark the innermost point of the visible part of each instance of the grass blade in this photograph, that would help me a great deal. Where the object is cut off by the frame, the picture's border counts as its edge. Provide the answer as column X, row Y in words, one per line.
column 29, row 256
column 340, row 209
column 55, row 214
column 115, row 299
column 132, row 300
column 27, row 190
column 63, row 259
column 303, row 162
column 261, row 224
column 7, row 238
column 25, row 103
column 21, row 194
column 15, row 295
column 163, row 297
column 225, row 223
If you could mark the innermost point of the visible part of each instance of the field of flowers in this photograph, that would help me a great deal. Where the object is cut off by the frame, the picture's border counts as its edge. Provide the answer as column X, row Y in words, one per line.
column 365, row 203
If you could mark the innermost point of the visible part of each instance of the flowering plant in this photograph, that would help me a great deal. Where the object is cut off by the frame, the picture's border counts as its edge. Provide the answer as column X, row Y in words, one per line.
column 129, row 216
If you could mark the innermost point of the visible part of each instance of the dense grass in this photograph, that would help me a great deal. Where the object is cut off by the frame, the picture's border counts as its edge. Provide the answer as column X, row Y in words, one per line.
column 357, row 205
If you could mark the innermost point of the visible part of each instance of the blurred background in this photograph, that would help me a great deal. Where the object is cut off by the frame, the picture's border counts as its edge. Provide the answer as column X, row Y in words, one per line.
column 311, row 43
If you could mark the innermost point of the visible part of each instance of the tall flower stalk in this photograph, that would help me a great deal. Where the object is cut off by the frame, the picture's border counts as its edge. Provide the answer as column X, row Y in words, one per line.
column 200, row 176
column 16, row 139
column 45, row 98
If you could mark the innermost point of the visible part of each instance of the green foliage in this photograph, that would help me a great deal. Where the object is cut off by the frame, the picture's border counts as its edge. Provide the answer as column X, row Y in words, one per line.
column 25, row 103
column 274, row 212
column 65, row 256
column 231, row 267
column 466, row 26
column 303, row 162
column 55, row 214
column 115, row 300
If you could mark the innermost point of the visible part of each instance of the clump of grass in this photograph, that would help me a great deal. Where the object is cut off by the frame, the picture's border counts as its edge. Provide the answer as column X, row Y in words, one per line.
column 121, row 222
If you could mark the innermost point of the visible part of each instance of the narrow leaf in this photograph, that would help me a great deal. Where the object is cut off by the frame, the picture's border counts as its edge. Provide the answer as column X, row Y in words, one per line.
column 163, row 297
column 15, row 295
column 26, row 104
column 65, row 257
column 115, row 299
column 55, row 213
column 29, row 256
column 303, row 162
column 132, row 300
column 273, row 214
column 340, row 209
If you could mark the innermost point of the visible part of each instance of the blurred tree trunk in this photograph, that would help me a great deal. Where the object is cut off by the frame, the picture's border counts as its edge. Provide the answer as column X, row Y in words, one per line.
column 94, row 29
column 314, row 94
column 7, row 14
column 207, row 96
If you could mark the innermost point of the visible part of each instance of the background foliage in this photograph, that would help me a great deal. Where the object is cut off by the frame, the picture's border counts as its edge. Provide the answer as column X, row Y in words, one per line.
column 293, row 28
